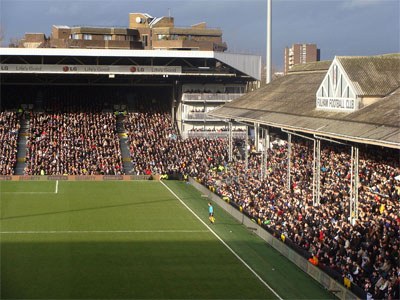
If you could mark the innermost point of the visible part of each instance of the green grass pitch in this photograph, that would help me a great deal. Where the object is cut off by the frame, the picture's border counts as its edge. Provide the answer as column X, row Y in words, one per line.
column 133, row 240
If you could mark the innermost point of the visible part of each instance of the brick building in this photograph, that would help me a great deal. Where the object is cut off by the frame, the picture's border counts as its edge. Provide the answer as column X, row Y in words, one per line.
column 144, row 32
column 94, row 37
column 300, row 54
column 161, row 33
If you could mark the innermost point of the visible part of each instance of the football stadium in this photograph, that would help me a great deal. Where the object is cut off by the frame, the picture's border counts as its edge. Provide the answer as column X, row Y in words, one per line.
column 110, row 160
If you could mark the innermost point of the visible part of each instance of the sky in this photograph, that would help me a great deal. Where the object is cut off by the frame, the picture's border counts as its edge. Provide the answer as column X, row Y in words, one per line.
column 338, row 27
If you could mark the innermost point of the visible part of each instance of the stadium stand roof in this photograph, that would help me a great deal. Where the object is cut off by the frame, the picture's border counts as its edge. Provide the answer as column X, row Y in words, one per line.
column 249, row 65
column 373, row 75
column 289, row 102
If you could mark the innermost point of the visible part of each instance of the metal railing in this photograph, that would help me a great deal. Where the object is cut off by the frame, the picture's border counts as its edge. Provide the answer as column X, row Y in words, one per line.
column 197, row 116
column 213, row 134
column 209, row 96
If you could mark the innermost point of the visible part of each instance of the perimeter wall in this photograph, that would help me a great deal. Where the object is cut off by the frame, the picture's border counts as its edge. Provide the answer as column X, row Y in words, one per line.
column 77, row 177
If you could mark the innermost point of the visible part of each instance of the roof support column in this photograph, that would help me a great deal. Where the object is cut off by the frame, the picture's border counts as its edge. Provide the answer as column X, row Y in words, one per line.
column 173, row 104
column 354, row 178
column 316, row 165
column 289, row 156
column 204, row 114
column 354, row 184
column 173, row 115
column 317, row 172
column 257, row 136
column 264, row 157
column 246, row 150
column 230, row 141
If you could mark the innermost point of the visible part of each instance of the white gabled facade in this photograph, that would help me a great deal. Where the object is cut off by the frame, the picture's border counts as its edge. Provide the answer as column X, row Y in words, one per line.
column 337, row 92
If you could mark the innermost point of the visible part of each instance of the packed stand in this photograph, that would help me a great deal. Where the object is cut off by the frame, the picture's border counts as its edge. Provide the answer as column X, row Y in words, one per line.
column 9, row 129
column 366, row 254
column 73, row 140
column 157, row 148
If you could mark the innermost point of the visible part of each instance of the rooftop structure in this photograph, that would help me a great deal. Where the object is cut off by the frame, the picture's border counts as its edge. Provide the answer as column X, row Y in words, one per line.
column 144, row 32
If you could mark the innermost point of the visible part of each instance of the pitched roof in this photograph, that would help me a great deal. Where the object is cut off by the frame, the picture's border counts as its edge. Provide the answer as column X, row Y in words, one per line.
column 290, row 102
column 383, row 112
column 293, row 94
column 311, row 66
column 373, row 75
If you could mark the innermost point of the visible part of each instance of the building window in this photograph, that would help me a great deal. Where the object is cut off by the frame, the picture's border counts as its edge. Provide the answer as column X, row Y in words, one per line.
column 129, row 38
column 107, row 37
column 87, row 36
column 145, row 40
column 74, row 36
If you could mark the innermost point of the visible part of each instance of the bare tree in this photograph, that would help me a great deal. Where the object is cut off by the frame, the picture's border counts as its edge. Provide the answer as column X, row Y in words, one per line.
column 14, row 42
column 276, row 73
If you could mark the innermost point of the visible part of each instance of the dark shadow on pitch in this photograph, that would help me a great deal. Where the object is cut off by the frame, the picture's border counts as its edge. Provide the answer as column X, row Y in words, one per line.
column 87, row 209
column 166, row 267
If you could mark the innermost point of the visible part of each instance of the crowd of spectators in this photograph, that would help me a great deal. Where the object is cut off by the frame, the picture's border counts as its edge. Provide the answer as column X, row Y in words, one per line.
column 157, row 148
column 79, row 140
column 9, row 129
column 73, row 140
column 366, row 252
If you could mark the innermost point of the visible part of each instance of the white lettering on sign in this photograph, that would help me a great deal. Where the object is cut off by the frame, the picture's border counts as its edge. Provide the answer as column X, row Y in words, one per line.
column 90, row 69
column 338, row 104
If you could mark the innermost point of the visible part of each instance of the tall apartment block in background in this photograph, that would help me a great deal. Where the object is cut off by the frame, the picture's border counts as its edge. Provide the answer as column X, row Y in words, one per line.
column 300, row 54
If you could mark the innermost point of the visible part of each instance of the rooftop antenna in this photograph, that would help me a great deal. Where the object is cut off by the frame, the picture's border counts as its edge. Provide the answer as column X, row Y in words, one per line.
column 169, row 13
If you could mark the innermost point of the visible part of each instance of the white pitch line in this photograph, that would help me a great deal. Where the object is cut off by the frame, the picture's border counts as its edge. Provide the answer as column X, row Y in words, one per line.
column 223, row 242
column 56, row 191
column 26, row 192
column 102, row 231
